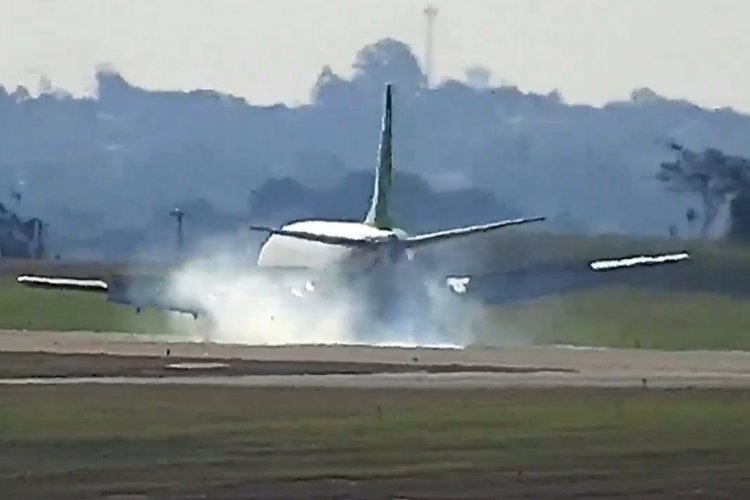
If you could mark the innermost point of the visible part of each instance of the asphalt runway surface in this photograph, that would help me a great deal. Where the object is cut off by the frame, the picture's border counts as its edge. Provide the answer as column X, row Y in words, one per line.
column 181, row 362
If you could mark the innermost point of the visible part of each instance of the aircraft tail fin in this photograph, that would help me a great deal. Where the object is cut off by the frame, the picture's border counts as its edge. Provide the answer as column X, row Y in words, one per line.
column 379, row 214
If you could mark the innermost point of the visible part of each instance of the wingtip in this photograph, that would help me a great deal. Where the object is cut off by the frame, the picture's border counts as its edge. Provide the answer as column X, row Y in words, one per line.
column 640, row 260
column 527, row 220
column 33, row 280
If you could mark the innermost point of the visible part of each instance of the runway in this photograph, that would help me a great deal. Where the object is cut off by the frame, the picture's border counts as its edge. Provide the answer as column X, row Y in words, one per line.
column 466, row 380
column 414, row 368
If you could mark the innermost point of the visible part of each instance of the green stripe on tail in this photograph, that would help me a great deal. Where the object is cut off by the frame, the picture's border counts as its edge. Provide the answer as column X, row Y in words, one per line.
column 379, row 214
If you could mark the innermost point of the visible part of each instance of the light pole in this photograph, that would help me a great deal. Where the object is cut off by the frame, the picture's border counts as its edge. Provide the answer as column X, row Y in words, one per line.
column 179, row 215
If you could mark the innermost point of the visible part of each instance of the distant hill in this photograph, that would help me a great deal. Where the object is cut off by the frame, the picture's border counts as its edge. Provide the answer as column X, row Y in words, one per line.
column 117, row 162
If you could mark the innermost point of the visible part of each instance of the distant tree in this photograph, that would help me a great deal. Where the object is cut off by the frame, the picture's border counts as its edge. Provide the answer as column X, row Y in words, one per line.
column 716, row 177
column 556, row 96
column 416, row 206
column 644, row 95
column 45, row 84
column 21, row 93
column 691, row 216
column 478, row 77
column 278, row 196
column 388, row 60
column 109, row 82
column 739, row 211
column 331, row 89
column 318, row 168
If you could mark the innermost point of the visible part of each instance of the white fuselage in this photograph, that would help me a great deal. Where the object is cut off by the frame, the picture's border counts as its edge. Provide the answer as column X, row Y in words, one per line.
column 288, row 252
column 344, row 272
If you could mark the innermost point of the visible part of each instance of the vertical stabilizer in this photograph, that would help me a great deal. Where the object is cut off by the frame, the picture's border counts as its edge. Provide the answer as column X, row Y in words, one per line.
column 379, row 214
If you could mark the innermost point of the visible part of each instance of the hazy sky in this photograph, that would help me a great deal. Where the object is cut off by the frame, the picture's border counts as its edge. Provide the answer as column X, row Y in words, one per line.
column 272, row 50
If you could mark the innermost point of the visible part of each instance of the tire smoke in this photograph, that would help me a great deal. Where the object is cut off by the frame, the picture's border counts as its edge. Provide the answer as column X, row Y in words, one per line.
column 245, row 305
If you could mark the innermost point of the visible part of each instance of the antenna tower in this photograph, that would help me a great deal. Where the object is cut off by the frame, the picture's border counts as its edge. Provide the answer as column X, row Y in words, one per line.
column 430, row 13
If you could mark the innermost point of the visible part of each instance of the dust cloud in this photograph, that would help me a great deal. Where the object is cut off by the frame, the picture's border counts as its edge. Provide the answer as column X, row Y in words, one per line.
column 244, row 305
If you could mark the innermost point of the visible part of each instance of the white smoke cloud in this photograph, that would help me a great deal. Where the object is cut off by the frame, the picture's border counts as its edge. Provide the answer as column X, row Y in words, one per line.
column 246, row 307
column 256, row 307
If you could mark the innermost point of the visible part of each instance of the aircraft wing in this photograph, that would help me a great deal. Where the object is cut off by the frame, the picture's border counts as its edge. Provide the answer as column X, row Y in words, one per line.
column 428, row 238
column 541, row 280
column 411, row 241
column 639, row 260
column 151, row 291
column 519, row 284
column 536, row 281
column 90, row 285
column 136, row 291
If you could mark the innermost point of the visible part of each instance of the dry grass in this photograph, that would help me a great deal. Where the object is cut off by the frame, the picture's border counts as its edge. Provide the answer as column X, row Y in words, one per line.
column 172, row 442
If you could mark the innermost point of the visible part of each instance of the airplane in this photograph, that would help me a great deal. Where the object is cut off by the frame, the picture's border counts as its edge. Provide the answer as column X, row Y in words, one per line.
column 372, row 259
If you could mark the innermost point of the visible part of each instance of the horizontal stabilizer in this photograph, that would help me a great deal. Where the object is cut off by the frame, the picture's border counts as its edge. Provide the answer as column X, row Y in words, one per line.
column 320, row 238
column 428, row 238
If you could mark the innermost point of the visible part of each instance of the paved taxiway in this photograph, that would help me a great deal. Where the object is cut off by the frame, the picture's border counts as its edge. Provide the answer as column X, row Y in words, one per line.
column 466, row 380
column 586, row 367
